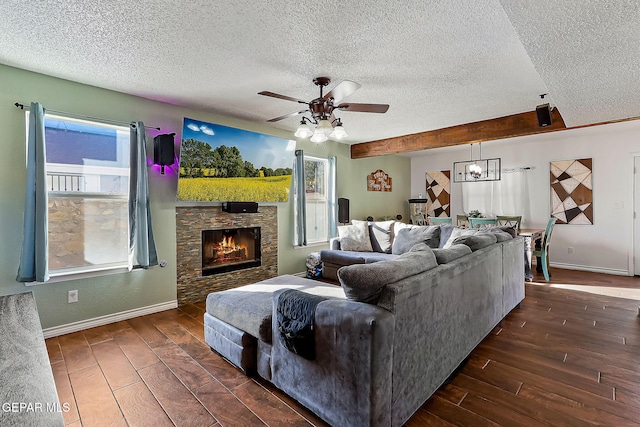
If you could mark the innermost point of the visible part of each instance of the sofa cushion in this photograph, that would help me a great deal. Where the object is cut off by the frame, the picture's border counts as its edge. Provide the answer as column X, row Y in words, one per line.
column 500, row 228
column 249, row 308
column 445, row 256
column 353, row 257
column 381, row 234
column 407, row 236
column 476, row 241
column 364, row 283
column 502, row 235
column 355, row 237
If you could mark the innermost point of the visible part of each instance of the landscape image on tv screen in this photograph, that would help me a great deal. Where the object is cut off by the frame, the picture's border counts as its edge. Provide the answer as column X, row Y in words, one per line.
column 224, row 164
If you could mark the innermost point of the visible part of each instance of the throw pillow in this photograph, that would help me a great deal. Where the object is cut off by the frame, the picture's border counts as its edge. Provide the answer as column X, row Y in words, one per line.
column 409, row 236
column 445, row 233
column 381, row 235
column 364, row 282
column 355, row 237
column 445, row 256
column 458, row 232
column 476, row 241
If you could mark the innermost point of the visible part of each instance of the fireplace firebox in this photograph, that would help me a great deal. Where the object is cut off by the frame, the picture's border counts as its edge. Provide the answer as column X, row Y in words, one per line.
column 230, row 249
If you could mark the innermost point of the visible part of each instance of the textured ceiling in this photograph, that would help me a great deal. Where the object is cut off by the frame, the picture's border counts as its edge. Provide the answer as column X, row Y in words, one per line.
column 437, row 63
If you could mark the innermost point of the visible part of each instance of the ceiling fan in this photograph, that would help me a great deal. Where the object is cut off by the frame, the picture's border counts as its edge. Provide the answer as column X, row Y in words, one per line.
column 322, row 110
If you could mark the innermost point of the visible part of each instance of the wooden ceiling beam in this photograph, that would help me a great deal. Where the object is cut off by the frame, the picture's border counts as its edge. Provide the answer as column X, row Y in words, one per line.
column 487, row 130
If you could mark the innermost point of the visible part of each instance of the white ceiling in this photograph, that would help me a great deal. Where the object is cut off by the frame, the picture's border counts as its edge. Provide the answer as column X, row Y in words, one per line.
column 437, row 63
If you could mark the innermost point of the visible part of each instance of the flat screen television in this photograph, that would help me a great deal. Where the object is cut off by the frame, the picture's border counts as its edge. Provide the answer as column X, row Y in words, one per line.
column 223, row 164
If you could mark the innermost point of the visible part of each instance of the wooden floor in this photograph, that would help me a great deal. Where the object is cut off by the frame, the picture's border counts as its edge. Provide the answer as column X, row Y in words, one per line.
column 563, row 358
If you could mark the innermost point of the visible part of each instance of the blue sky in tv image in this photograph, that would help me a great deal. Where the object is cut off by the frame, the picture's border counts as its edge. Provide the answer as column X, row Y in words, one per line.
column 260, row 149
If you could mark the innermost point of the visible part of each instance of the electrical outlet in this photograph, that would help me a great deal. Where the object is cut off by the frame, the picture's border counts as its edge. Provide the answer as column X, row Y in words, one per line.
column 570, row 250
column 73, row 296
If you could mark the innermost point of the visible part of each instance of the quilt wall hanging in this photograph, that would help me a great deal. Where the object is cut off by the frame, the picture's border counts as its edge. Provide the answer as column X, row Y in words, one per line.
column 439, row 194
column 572, row 191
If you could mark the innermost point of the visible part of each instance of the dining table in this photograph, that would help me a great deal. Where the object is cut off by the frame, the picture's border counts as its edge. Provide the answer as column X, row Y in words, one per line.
column 532, row 237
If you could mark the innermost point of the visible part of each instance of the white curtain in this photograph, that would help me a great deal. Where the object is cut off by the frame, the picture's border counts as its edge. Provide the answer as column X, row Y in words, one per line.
column 509, row 196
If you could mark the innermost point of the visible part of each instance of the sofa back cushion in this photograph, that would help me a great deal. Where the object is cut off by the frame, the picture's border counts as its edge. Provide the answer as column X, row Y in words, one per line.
column 407, row 236
column 364, row 282
column 445, row 256
column 355, row 237
column 476, row 241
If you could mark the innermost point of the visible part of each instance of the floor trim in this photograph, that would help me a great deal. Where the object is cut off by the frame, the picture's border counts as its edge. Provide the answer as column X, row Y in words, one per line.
column 604, row 270
column 110, row 318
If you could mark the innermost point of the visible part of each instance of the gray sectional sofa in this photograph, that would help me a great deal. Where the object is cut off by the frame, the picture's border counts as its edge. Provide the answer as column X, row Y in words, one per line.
column 387, row 338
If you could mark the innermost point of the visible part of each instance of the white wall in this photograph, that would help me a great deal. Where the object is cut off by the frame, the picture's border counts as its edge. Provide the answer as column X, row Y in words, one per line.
column 605, row 246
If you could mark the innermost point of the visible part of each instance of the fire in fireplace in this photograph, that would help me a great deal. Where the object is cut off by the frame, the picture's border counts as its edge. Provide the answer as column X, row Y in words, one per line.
column 230, row 249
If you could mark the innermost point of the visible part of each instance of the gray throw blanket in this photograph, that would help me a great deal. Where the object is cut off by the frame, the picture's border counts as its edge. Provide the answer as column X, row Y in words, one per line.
column 295, row 313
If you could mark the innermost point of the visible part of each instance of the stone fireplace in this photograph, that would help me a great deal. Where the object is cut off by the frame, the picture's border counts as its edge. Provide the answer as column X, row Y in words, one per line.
column 217, row 250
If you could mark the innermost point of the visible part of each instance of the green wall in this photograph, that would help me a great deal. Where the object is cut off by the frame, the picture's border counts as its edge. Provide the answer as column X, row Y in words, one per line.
column 105, row 295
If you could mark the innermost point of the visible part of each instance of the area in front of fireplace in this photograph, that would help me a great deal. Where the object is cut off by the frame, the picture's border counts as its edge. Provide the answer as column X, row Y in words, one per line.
column 230, row 249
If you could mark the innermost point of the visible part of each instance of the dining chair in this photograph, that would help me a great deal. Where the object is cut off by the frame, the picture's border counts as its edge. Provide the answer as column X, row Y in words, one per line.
column 511, row 221
column 543, row 252
column 482, row 222
column 439, row 220
column 418, row 219
column 462, row 220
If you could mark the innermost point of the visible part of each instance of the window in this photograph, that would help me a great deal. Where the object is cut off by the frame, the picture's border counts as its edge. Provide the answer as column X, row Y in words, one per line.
column 88, row 188
column 319, row 200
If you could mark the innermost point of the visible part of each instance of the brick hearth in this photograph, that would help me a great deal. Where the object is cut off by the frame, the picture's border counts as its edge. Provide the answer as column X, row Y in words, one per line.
column 191, row 220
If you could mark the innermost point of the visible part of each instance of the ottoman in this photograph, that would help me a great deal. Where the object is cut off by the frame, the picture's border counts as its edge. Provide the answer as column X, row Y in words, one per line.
column 237, row 323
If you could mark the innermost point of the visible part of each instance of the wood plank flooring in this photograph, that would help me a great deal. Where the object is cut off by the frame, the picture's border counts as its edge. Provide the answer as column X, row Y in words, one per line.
column 565, row 357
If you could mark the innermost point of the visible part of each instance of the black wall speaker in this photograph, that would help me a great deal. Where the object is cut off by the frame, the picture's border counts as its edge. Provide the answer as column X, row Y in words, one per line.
column 163, row 150
column 544, row 115
column 343, row 210
column 240, row 207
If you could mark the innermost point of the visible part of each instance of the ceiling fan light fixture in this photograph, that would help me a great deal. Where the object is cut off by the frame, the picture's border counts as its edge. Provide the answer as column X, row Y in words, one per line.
column 319, row 136
column 303, row 131
column 324, row 125
column 338, row 132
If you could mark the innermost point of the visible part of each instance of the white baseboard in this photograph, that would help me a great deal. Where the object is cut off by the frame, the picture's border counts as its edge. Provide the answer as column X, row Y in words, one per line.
column 591, row 269
column 109, row 318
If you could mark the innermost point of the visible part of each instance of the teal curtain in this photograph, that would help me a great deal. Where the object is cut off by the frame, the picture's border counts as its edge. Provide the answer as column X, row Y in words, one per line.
column 142, row 247
column 332, row 198
column 34, row 262
column 301, row 200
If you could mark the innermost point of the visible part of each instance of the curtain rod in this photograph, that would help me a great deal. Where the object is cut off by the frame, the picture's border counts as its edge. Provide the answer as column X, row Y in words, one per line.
column 80, row 116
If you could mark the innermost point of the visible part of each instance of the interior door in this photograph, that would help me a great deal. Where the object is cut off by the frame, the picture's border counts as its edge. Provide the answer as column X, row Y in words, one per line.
column 636, row 215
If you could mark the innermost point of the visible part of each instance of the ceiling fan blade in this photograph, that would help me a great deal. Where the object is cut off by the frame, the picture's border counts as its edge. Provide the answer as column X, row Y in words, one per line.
column 342, row 90
column 365, row 108
column 285, row 97
column 287, row 115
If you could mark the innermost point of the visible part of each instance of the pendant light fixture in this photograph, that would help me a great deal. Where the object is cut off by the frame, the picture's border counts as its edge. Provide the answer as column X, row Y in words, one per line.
column 477, row 170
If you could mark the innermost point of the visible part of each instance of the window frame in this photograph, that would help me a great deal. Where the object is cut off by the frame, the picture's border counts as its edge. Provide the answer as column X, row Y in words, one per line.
column 328, row 193
column 106, row 268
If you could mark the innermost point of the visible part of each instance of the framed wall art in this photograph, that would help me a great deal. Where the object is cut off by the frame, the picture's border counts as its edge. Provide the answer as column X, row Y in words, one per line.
column 439, row 194
column 572, row 191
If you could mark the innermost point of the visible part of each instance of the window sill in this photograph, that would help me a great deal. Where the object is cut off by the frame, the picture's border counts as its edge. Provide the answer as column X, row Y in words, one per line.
column 311, row 245
column 58, row 277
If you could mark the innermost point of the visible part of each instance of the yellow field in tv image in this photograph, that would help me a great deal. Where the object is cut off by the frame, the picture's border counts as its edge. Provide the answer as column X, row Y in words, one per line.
column 272, row 189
